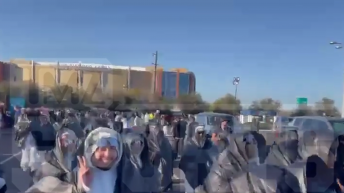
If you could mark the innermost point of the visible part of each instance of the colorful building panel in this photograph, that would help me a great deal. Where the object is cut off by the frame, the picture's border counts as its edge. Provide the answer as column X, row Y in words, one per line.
column 67, row 77
column 159, row 82
column 184, row 84
column 140, row 80
column 90, row 81
column 192, row 83
column 110, row 78
column 45, row 76
column 169, row 84
column 175, row 84
column 117, row 80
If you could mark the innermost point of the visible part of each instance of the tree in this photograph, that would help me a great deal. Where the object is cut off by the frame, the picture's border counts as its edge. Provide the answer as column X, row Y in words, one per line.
column 192, row 103
column 326, row 107
column 227, row 104
column 266, row 104
column 303, row 111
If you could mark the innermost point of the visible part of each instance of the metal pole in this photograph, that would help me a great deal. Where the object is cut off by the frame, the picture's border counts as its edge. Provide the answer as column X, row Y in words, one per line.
column 342, row 114
column 236, row 90
column 155, row 68
column 338, row 45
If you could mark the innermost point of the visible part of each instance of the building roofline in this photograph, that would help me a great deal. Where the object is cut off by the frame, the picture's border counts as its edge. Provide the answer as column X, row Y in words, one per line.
column 90, row 65
column 95, row 66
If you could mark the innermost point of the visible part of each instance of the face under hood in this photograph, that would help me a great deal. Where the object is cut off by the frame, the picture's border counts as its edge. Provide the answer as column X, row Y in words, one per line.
column 96, row 136
column 288, row 144
column 200, row 136
column 135, row 148
column 222, row 142
column 66, row 142
column 323, row 143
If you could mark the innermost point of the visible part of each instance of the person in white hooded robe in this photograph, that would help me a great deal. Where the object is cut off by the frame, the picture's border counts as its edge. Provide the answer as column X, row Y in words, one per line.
column 98, row 170
column 60, row 161
column 24, row 128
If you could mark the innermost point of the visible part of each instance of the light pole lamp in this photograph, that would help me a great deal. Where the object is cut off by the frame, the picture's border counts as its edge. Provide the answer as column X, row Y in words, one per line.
column 236, row 81
column 338, row 45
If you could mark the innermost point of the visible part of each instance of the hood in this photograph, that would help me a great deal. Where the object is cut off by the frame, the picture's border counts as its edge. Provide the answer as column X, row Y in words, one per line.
column 94, row 136
column 136, row 158
column 288, row 145
column 58, row 147
column 322, row 142
column 74, row 125
column 199, row 141
column 223, row 142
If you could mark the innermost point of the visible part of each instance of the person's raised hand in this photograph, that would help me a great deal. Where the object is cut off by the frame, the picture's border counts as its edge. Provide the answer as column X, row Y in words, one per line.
column 84, row 174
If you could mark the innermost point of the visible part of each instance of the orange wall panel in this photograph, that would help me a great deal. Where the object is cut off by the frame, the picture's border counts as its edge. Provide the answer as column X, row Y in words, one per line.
column 158, row 85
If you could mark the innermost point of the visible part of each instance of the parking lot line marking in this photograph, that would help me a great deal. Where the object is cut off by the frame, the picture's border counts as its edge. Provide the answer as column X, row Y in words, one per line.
column 9, row 158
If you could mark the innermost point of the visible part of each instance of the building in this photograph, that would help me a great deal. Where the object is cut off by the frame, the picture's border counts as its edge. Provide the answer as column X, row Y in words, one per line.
column 9, row 73
column 106, row 77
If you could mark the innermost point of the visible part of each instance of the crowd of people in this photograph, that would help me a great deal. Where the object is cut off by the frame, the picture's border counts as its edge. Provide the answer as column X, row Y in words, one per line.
column 112, row 152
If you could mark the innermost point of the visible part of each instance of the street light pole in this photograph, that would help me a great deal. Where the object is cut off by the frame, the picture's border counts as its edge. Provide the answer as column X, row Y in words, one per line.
column 236, row 81
column 155, row 68
column 338, row 45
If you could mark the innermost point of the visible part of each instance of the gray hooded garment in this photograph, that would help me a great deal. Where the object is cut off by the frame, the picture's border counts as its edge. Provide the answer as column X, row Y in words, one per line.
column 139, row 175
column 160, row 152
column 74, row 125
column 54, row 164
column 269, row 178
column 227, row 170
column 52, row 184
column 22, row 130
column 196, row 160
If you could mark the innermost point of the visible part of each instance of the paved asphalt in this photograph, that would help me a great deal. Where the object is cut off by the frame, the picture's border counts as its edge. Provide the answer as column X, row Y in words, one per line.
column 18, row 181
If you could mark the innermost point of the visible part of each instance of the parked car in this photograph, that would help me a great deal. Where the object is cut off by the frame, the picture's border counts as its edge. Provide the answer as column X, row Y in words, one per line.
column 211, row 120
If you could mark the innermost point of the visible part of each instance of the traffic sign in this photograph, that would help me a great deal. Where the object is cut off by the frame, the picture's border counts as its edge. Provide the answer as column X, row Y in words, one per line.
column 302, row 101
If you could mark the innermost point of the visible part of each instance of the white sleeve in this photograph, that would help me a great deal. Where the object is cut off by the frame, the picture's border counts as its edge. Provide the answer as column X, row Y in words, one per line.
column 165, row 130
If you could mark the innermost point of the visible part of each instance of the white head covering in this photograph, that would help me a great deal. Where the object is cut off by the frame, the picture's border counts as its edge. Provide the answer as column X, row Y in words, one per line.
column 94, row 136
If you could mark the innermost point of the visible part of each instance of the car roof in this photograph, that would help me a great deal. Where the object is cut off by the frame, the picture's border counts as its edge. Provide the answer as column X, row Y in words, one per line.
column 212, row 113
column 335, row 119
column 323, row 118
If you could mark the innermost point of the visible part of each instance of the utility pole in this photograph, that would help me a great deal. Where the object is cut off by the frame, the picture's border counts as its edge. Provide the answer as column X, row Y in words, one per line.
column 338, row 46
column 236, row 81
column 155, row 68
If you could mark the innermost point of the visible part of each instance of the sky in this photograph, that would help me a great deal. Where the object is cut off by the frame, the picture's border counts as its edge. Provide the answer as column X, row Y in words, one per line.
column 278, row 48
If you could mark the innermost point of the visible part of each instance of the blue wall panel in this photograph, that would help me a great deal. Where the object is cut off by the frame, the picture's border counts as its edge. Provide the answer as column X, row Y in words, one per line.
column 184, row 83
column 169, row 80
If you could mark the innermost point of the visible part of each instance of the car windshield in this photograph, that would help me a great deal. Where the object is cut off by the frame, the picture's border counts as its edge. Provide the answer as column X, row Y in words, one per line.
column 216, row 119
column 337, row 125
column 284, row 120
